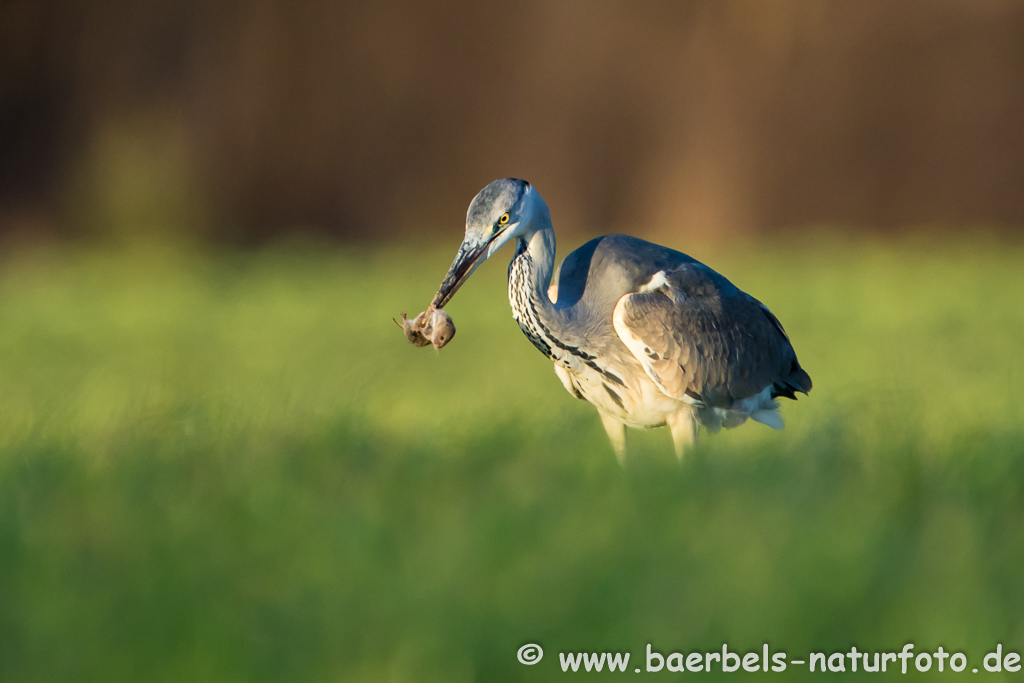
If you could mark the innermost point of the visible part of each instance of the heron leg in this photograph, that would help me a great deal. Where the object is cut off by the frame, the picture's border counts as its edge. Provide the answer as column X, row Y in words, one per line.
column 684, row 430
column 617, row 434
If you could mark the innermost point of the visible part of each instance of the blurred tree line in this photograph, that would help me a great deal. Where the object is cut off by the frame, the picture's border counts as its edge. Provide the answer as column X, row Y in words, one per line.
column 239, row 121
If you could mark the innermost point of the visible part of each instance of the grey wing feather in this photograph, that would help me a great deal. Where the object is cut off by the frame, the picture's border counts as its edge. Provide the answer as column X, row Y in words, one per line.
column 699, row 338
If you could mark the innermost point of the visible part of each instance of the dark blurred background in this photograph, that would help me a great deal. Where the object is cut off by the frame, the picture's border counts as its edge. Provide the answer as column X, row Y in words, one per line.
column 243, row 121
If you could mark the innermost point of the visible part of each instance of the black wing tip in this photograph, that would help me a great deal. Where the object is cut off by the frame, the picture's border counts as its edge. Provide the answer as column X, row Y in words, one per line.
column 804, row 381
column 798, row 382
column 783, row 391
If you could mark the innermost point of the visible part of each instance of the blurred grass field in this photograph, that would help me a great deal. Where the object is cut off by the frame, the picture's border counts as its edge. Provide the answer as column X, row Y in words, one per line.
column 231, row 466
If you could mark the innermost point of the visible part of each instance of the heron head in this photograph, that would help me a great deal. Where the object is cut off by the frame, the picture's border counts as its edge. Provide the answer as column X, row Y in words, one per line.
column 505, row 209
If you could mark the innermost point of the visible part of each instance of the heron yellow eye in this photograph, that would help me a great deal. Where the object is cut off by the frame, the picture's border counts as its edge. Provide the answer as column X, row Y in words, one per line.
column 504, row 219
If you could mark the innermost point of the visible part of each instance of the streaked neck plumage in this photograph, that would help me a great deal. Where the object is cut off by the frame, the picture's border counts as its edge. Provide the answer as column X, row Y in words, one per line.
column 529, row 277
column 539, row 245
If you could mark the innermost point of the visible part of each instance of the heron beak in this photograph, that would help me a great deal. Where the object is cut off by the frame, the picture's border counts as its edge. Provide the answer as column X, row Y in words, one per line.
column 466, row 261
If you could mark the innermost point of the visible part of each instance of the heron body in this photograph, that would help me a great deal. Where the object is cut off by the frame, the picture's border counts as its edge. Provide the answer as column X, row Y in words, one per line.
column 648, row 335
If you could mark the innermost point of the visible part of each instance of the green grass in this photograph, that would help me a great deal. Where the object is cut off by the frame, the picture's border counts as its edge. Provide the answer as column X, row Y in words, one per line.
column 232, row 467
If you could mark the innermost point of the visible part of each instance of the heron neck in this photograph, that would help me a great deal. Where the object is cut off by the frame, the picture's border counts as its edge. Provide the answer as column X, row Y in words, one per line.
column 529, row 276
column 540, row 245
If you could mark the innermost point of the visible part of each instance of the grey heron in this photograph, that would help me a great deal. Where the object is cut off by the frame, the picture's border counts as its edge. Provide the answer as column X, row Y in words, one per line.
column 650, row 336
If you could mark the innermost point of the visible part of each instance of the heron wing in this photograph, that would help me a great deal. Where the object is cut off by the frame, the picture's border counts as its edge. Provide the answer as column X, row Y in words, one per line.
column 700, row 339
